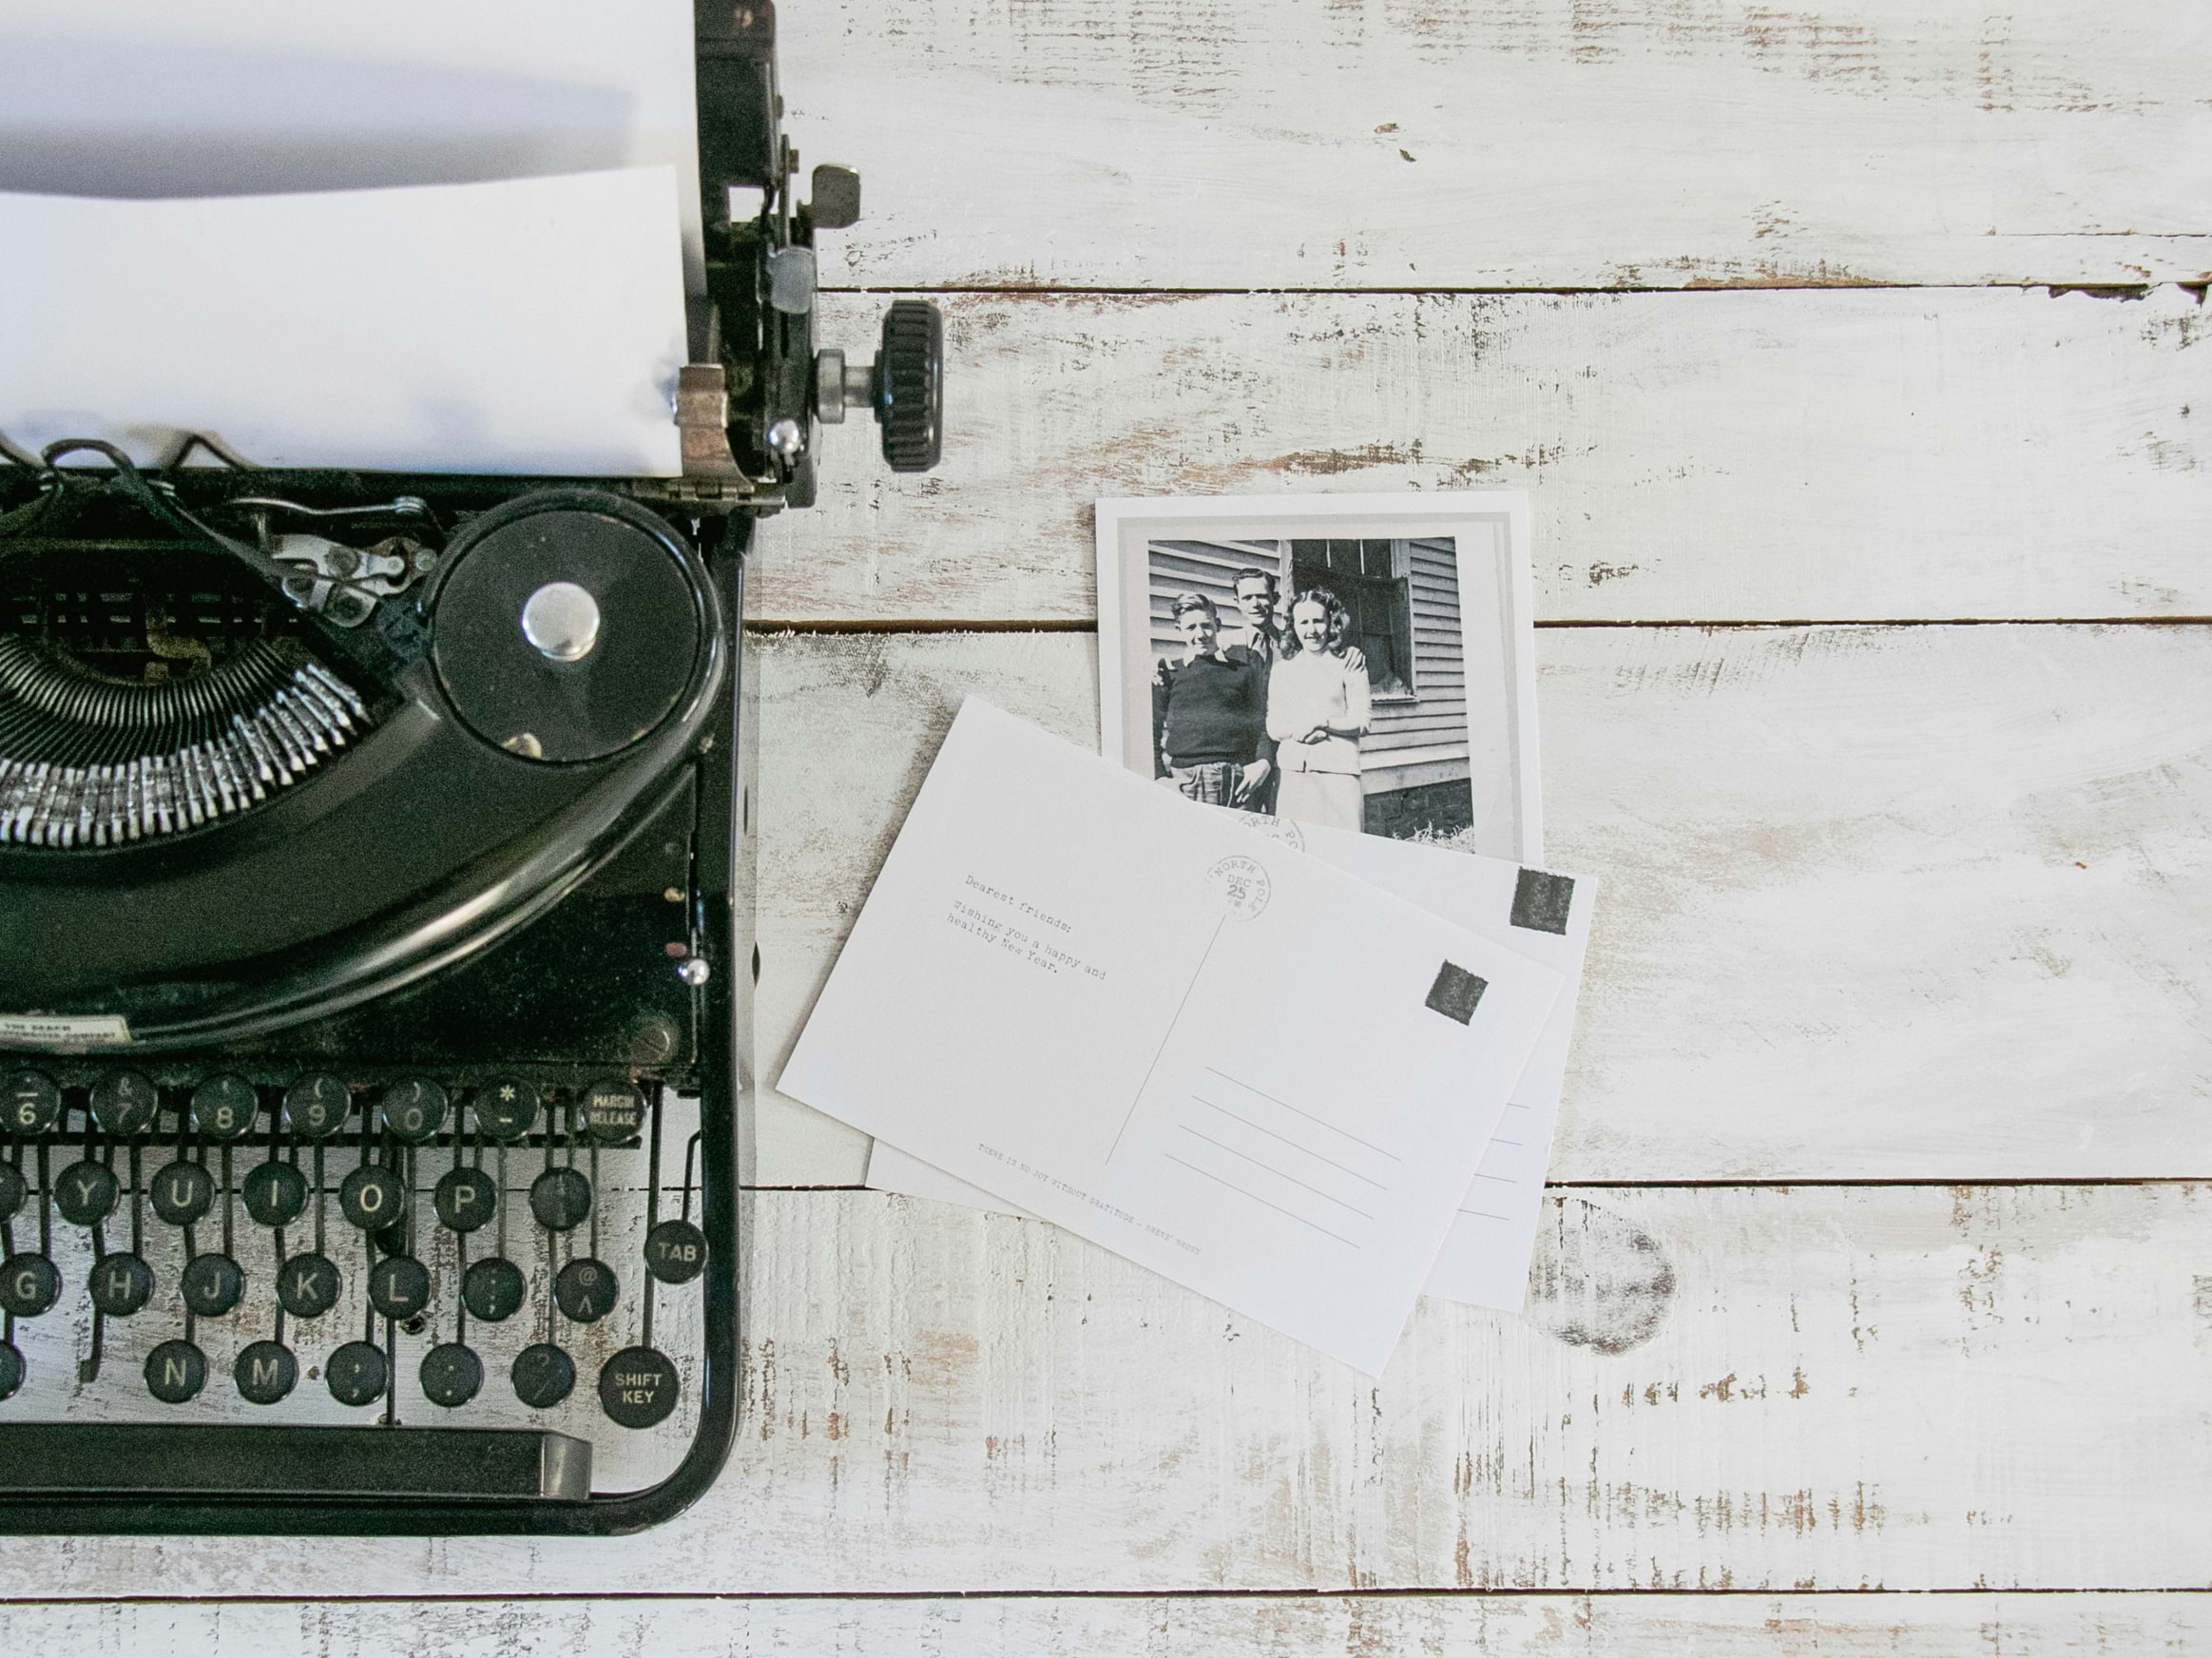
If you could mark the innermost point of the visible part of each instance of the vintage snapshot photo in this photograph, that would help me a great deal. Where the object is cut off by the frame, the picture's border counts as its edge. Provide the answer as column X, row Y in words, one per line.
column 1363, row 662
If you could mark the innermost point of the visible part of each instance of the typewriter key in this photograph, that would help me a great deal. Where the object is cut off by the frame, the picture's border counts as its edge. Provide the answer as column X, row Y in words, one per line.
column 307, row 1287
column 30, row 1103
column 223, row 1107
column 451, row 1374
column 560, row 1199
column 586, row 1289
column 124, row 1103
column 542, row 1375
column 355, row 1374
column 611, row 1111
column 212, row 1284
column 491, row 1289
column 414, row 1110
column 466, row 1198
column 507, row 1108
column 28, row 1285
column 176, row 1370
column 674, row 1252
column 399, row 1287
column 266, row 1371
column 10, row 1369
column 121, row 1283
column 317, row 1105
column 276, row 1194
column 371, row 1197
column 637, row 1387
column 11, row 1191
column 85, row 1193
column 183, row 1193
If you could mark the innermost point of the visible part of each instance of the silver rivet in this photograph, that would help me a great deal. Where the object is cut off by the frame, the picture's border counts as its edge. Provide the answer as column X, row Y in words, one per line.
column 561, row 620
column 786, row 438
column 694, row 972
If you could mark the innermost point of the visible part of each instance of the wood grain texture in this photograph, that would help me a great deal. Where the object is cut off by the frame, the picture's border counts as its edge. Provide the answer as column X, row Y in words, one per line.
column 1432, row 1625
column 1880, row 904
column 1693, row 456
column 1756, row 1389
column 1508, row 143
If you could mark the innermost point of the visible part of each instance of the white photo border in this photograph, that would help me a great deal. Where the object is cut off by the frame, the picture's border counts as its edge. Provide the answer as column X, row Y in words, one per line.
column 1126, row 527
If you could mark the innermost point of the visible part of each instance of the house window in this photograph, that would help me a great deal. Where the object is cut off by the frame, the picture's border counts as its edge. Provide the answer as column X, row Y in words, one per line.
column 1372, row 579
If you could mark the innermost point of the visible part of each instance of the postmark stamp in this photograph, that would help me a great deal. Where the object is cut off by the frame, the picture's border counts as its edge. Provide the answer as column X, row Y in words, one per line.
column 1244, row 885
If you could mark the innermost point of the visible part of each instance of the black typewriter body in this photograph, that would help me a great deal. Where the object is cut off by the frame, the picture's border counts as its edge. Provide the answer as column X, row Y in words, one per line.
column 374, row 943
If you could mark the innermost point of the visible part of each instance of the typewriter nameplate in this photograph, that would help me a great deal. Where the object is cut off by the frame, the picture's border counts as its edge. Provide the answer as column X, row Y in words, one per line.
column 65, row 1030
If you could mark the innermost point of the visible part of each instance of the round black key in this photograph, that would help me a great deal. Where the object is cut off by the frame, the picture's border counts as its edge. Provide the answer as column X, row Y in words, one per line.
column 493, row 1289
column 10, row 1369
column 307, row 1285
column 414, row 1108
column 466, row 1198
column 11, row 1191
column 183, row 1193
column 266, row 1371
column 542, row 1375
column 85, row 1193
column 611, row 1111
column 674, row 1252
column 586, row 1289
column 372, row 1197
column 507, row 1108
column 355, row 1374
column 224, row 1107
column 28, row 1285
column 637, row 1387
column 276, row 1193
column 30, row 1103
column 451, row 1374
column 124, row 1103
column 212, row 1284
column 399, row 1287
column 318, row 1105
column 176, row 1370
column 120, row 1284
column 560, row 1199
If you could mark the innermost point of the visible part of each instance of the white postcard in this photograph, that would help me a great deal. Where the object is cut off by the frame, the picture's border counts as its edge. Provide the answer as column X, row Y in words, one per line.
column 1543, row 916
column 1221, row 1057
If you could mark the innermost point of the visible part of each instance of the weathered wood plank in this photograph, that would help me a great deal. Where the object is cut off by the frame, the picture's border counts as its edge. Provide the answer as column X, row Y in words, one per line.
column 1435, row 1626
column 1717, row 1388
column 1911, row 903
column 1508, row 143
column 1694, row 457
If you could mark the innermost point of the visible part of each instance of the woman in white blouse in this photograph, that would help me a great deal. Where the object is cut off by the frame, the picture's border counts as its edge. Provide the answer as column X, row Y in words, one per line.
column 1317, row 711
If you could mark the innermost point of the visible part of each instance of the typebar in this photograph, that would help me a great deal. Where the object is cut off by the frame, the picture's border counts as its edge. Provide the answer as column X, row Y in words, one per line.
column 126, row 1458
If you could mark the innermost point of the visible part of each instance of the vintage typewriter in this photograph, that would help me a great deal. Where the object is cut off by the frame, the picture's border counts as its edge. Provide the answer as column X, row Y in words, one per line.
column 373, row 942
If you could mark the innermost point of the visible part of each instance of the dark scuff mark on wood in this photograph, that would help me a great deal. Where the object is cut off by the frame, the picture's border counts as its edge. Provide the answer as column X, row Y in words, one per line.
column 1598, row 1280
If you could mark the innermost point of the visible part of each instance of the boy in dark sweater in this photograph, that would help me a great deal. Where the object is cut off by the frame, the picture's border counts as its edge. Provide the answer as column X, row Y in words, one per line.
column 1209, row 712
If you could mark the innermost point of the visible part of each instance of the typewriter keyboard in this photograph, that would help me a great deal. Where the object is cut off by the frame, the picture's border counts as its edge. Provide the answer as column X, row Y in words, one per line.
column 502, row 1250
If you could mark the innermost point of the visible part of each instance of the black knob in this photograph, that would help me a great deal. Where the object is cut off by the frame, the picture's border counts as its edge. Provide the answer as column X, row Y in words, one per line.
column 910, row 385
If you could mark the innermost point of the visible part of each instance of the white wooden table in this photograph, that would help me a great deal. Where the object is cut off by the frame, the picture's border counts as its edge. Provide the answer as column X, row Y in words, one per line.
column 1857, row 362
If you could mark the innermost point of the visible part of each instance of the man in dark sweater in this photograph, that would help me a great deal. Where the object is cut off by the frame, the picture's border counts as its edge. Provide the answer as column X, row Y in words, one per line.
column 1209, row 712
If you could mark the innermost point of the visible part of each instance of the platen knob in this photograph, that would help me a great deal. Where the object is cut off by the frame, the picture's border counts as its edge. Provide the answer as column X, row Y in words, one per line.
column 910, row 385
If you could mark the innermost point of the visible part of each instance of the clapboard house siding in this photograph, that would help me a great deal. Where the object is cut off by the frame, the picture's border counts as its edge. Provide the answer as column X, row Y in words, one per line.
column 1418, row 735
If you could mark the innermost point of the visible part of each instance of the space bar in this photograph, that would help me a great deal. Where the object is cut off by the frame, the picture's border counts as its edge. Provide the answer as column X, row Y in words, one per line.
column 129, row 1459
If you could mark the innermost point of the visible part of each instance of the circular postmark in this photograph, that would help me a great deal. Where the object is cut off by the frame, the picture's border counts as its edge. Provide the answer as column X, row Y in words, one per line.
column 1280, row 829
column 1244, row 885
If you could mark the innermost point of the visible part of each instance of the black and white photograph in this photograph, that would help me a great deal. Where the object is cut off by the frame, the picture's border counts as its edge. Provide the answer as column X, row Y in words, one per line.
column 1361, row 662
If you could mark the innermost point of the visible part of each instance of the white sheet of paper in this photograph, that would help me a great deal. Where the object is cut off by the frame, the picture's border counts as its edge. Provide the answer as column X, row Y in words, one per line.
column 1218, row 1056
column 528, row 326
column 126, row 98
column 1485, row 1259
